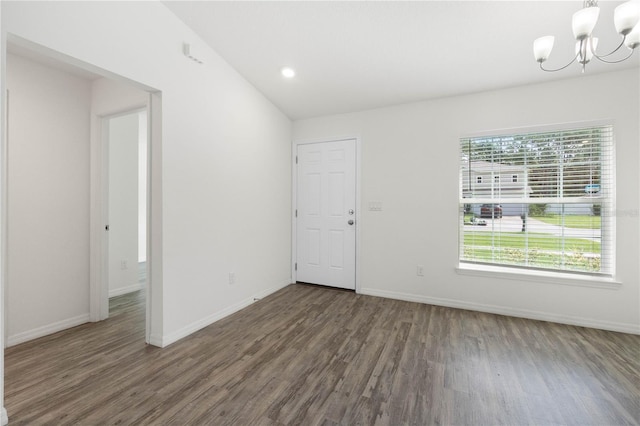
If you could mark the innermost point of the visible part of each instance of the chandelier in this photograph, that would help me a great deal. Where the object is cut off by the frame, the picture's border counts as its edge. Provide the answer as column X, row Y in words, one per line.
column 626, row 17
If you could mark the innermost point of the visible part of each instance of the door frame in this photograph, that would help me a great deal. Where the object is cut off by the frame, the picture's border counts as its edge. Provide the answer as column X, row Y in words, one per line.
column 294, row 199
column 99, row 283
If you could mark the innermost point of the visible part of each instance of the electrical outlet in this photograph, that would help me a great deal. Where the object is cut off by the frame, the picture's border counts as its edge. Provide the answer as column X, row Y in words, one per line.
column 420, row 271
column 124, row 265
column 232, row 278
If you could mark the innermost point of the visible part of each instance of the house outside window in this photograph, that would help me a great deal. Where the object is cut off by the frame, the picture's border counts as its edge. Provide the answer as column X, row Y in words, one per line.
column 555, row 211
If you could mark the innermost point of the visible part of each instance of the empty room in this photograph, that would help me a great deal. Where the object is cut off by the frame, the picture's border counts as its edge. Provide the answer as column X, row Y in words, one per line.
column 320, row 213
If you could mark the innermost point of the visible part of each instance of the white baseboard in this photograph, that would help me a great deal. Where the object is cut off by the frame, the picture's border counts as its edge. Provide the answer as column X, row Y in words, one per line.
column 5, row 418
column 124, row 290
column 168, row 339
column 25, row 336
column 502, row 310
column 155, row 340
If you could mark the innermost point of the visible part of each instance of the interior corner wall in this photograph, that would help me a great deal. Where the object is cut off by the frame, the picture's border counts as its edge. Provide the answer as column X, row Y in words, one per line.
column 110, row 97
column 226, row 172
column 4, row 419
column 47, row 286
column 143, row 163
column 410, row 156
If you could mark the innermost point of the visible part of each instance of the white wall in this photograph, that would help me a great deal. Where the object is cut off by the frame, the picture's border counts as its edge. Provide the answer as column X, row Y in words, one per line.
column 226, row 177
column 109, row 97
column 142, row 186
column 48, row 200
column 123, row 146
column 3, row 208
column 410, row 164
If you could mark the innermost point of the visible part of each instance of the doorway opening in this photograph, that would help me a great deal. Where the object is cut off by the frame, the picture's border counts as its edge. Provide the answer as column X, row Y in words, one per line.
column 125, row 141
column 55, row 189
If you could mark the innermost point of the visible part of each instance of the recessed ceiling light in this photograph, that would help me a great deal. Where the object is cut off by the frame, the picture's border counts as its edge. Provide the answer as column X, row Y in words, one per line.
column 288, row 72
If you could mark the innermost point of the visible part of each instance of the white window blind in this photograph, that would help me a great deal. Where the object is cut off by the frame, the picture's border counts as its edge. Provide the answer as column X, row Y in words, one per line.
column 556, row 215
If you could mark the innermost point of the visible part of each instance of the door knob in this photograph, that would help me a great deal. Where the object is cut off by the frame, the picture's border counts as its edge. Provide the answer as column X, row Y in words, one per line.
column 351, row 222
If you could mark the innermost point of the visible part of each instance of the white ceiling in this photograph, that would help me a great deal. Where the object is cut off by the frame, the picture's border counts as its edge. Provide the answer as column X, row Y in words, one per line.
column 357, row 55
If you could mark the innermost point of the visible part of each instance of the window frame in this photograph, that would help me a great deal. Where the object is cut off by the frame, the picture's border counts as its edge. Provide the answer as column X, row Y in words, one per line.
column 592, row 279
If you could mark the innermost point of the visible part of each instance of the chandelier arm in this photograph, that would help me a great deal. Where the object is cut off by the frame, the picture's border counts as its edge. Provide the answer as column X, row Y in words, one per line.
column 561, row 68
column 610, row 53
column 615, row 62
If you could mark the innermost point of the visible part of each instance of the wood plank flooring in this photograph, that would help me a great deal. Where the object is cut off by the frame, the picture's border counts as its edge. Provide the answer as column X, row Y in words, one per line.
column 310, row 355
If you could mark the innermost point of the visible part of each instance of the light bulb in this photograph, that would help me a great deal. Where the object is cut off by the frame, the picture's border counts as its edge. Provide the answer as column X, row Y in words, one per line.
column 626, row 16
column 542, row 48
column 288, row 72
column 633, row 38
column 584, row 21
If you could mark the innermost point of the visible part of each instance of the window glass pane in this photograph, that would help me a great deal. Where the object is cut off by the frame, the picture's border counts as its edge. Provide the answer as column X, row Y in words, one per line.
column 549, row 210
column 557, row 236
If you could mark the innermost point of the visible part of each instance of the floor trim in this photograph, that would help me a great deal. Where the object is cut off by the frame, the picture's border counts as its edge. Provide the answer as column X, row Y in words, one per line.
column 55, row 327
column 170, row 338
column 124, row 290
column 501, row 310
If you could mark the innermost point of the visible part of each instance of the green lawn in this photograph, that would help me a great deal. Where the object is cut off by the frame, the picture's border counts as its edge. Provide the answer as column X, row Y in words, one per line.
column 542, row 250
column 571, row 262
column 533, row 242
column 572, row 221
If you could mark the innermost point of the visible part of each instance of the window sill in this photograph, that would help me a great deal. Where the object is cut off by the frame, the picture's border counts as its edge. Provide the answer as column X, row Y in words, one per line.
column 537, row 276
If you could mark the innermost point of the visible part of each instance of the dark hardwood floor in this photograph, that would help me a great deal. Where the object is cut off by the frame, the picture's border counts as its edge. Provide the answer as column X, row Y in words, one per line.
column 312, row 355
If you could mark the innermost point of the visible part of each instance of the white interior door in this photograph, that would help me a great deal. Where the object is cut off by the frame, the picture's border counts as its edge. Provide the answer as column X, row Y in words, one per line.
column 326, row 219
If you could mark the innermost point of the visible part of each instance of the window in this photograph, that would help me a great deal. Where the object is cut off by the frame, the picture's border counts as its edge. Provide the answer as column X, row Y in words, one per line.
column 558, row 217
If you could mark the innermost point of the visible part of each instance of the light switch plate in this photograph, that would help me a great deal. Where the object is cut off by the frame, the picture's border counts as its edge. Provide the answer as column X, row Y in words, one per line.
column 375, row 206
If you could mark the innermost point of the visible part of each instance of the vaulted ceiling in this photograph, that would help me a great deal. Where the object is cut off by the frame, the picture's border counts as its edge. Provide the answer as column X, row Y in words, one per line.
column 356, row 55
